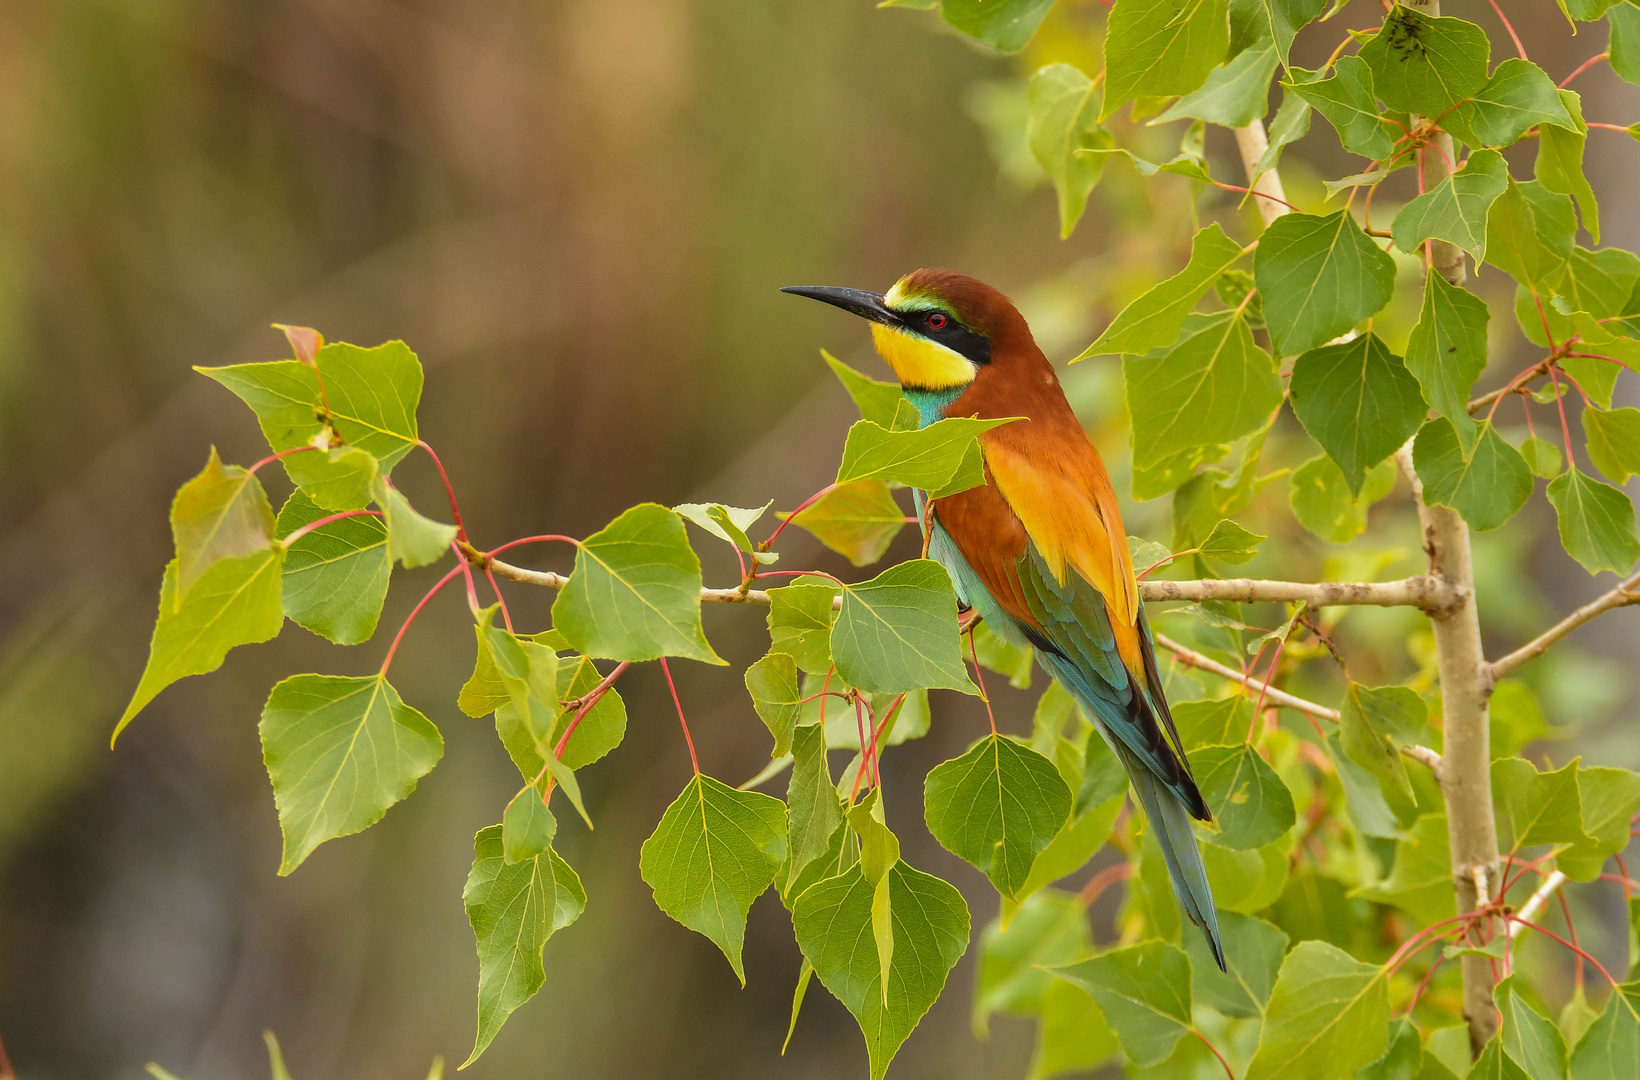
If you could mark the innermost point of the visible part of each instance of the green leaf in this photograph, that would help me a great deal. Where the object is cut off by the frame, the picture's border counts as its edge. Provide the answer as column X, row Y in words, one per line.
column 604, row 725
column 1214, row 386
column 1049, row 928
column 936, row 458
column 1252, row 951
column 1576, row 1017
column 1229, row 542
column 222, row 513
column 513, row 910
column 1403, row 1060
column 1375, row 723
column 997, row 806
column 1425, row 65
column 1528, row 1036
column 1153, row 320
column 412, row 540
column 1072, row 1035
column 1494, row 1064
column 1596, row 522
column 635, row 591
column 340, row 751
column 1516, row 719
column 1082, row 836
column 1542, row 457
column 1063, row 118
column 1159, row 47
column 335, row 577
column 1529, row 235
column 1613, row 441
column 727, row 523
column 1349, row 104
column 772, row 683
column 1322, row 502
column 1608, row 799
column 1421, row 878
column 1358, row 400
column 814, row 812
column 1223, row 722
column 1006, row 25
column 877, row 401
column 1277, row 21
column 1235, row 94
column 1328, row 1015
column 1487, row 489
column 898, row 632
column 1291, row 123
column 1319, row 276
column 800, row 621
column 373, row 394
column 527, row 827
column 1560, row 161
column 714, row 852
column 1541, row 808
column 484, row 692
column 1611, row 1046
column 1447, row 352
column 857, row 520
column 1250, row 804
column 342, row 478
column 832, row 920
column 1455, row 209
column 1144, row 992
column 1517, row 97
column 1625, row 41
column 235, row 602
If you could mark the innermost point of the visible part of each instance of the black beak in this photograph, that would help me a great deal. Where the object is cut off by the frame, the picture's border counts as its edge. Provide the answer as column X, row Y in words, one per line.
column 867, row 305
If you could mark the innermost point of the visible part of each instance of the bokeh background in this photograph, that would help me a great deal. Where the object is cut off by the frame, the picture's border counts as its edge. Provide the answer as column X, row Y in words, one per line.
column 577, row 212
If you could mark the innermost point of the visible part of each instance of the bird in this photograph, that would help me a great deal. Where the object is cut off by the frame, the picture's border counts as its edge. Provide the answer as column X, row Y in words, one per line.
column 1038, row 551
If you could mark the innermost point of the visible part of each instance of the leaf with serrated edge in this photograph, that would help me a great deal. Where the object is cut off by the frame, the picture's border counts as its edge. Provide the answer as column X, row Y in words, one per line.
column 1518, row 96
column 1252, row 951
column 1144, row 992
column 1540, row 807
column 877, row 401
column 1596, row 522
column 1613, row 441
column 1319, row 276
column 335, row 577
column 997, row 806
column 1426, row 64
column 1063, row 117
column 1528, row 1036
column 1487, row 488
column 898, row 632
column 340, row 752
column 1157, row 47
column 412, row 538
column 1447, row 352
column 931, row 458
column 1346, row 100
column 1250, row 804
column 1358, row 400
column 222, row 513
column 1328, row 1015
column 858, row 520
column 1154, row 319
column 1455, row 209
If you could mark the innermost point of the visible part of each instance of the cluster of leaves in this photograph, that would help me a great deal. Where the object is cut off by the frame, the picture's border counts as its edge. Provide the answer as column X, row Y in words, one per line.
column 1323, row 851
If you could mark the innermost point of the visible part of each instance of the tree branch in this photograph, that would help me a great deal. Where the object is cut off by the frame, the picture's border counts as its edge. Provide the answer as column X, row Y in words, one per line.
column 1252, row 142
column 1622, row 595
column 1191, row 658
column 1426, row 756
column 1535, row 902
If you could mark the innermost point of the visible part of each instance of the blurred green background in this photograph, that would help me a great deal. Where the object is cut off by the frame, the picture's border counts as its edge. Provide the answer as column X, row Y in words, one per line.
column 577, row 212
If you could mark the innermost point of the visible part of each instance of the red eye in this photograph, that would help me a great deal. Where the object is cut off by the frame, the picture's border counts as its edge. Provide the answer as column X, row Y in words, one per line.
column 936, row 321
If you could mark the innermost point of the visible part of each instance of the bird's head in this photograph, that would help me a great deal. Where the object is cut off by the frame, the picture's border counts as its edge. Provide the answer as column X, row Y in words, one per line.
column 937, row 329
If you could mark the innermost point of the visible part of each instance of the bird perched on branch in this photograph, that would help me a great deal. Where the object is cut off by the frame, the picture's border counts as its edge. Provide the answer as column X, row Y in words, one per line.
column 1039, row 551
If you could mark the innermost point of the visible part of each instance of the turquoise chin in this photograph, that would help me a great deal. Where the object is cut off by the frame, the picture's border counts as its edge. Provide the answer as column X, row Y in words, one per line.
column 931, row 404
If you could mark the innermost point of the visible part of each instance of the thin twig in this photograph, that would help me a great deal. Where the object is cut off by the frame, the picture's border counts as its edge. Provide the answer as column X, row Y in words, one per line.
column 1622, row 595
column 1191, row 658
column 1535, row 902
column 1426, row 756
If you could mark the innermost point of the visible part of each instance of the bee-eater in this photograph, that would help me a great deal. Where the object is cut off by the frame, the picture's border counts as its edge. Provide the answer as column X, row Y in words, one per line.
column 1039, row 551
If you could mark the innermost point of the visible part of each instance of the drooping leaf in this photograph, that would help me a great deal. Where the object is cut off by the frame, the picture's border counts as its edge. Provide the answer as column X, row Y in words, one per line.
column 1235, row 94
column 1291, row 122
column 877, row 401
column 340, row 752
column 714, row 852
column 832, row 919
column 513, row 910
column 858, row 520
column 1447, row 351
column 1358, row 400
column 1625, row 41
column 1327, row 1016
column 235, row 602
column 1518, row 96
column 1229, row 542
column 727, row 523
column 1214, row 386
column 1528, row 1036
column 527, row 827
column 937, row 458
column 1375, row 723
column 1608, row 799
column 1560, row 161
column 1596, row 522
column 1613, row 441
column 1153, row 320
column 335, row 577
column 1349, row 104
column 1277, row 21
column 1157, row 47
column 1006, row 25
column 1487, row 488
column 1144, row 992
column 1063, row 118
column 1455, row 209
column 635, row 591
column 412, row 539
column 800, row 621
column 1540, row 807
column 1529, row 235
column 1252, row 951
column 1319, row 276
column 1323, row 504
column 1542, row 457
column 997, row 806
column 814, row 812
column 1425, row 64
column 222, row 513
column 1250, row 804
column 772, row 684
column 898, row 632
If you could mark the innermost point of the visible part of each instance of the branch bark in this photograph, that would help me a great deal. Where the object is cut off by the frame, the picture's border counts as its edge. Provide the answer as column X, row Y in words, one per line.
column 1535, row 902
column 1624, row 594
column 1252, row 142
column 1191, row 658
column 1465, row 775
